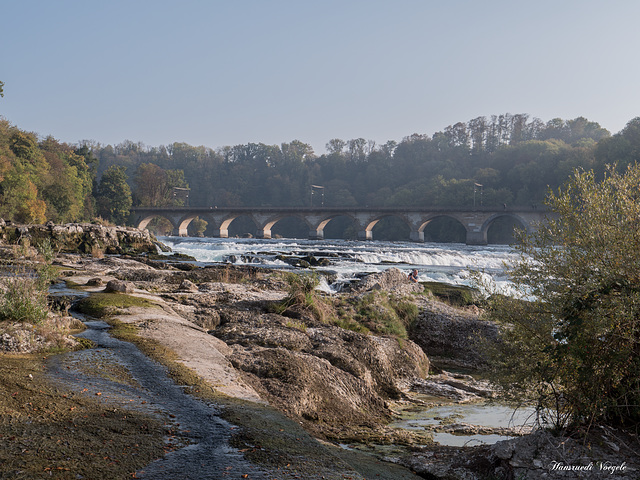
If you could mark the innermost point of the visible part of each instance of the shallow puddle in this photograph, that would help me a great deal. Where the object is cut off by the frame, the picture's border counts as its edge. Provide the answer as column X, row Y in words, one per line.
column 488, row 415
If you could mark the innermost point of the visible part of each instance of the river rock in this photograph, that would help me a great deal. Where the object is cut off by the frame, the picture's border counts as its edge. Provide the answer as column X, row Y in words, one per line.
column 23, row 338
column 543, row 455
column 457, row 387
column 392, row 280
column 21, row 341
column 188, row 286
column 320, row 373
column 603, row 452
column 119, row 286
column 207, row 318
column 452, row 337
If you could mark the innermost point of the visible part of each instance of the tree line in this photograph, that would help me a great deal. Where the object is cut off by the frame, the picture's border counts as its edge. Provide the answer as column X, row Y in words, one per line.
column 489, row 161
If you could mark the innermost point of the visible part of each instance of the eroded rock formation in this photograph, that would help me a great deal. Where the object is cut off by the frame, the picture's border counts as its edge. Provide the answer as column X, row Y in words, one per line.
column 81, row 237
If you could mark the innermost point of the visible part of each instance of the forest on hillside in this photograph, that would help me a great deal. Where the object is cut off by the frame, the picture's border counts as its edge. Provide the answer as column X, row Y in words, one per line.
column 502, row 159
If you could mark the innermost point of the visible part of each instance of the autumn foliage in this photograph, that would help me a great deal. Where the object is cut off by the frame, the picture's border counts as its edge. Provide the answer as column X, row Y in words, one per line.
column 43, row 180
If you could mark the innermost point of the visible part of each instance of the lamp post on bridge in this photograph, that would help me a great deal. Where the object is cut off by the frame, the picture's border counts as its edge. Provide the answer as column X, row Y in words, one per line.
column 321, row 188
column 475, row 187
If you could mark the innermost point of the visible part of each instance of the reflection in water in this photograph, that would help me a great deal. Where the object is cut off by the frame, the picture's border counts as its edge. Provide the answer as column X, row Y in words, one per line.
column 470, row 425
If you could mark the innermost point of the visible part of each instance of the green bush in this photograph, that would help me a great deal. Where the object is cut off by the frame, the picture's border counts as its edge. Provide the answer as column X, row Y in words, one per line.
column 572, row 338
column 24, row 295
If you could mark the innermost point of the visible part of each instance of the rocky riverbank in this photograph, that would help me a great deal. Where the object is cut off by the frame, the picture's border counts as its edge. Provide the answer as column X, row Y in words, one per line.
column 238, row 330
column 337, row 382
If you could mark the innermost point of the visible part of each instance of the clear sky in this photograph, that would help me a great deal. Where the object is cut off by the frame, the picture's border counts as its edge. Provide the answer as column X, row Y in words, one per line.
column 229, row 72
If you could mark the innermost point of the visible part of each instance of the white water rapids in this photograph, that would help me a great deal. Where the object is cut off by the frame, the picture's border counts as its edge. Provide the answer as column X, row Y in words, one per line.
column 447, row 263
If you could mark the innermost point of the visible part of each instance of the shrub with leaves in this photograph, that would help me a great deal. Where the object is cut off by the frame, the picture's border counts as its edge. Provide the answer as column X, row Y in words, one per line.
column 572, row 338
column 24, row 294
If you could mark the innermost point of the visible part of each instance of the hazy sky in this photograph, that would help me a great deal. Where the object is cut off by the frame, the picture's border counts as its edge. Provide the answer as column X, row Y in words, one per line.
column 218, row 73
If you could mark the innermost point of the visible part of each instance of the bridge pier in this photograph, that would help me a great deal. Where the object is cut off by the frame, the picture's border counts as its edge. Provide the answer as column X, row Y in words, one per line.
column 365, row 235
column 416, row 236
column 221, row 233
column 476, row 237
column 316, row 234
column 179, row 232
column 264, row 233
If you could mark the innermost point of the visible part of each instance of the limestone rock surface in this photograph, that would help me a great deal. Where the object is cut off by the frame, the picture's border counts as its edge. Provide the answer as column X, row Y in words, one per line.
column 452, row 337
column 320, row 373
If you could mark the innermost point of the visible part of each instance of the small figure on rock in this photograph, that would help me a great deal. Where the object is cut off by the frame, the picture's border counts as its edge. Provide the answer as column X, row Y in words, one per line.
column 413, row 276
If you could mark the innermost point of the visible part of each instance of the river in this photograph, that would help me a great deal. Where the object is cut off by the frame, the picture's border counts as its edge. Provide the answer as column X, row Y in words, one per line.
column 435, row 262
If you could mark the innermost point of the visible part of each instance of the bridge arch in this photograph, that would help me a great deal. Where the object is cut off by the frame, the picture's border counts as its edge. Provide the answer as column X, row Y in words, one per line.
column 316, row 231
column 433, row 220
column 242, row 218
column 183, row 225
column 506, row 217
column 366, row 233
column 146, row 220
column 267, row 224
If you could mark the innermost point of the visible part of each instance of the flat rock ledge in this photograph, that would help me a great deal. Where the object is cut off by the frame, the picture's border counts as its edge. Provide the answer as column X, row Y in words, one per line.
column 457, row 387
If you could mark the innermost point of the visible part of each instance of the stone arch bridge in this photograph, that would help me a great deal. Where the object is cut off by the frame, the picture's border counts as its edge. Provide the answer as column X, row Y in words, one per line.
column 476, row 221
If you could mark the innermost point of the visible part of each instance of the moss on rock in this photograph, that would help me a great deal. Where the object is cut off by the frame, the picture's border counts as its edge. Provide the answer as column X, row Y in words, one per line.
column 104, row 304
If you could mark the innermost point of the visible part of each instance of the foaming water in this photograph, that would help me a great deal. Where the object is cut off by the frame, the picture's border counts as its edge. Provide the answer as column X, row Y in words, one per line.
column 449, row 263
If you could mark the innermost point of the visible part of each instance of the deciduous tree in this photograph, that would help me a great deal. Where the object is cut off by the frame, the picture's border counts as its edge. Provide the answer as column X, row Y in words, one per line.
column 113, row 197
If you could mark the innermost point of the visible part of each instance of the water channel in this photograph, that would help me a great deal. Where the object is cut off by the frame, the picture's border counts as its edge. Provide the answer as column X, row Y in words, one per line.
column 120, row 375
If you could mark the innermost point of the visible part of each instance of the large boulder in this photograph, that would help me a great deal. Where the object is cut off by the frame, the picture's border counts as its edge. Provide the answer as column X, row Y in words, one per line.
column 453, row 337
column 119, row 286
column 392, row 280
